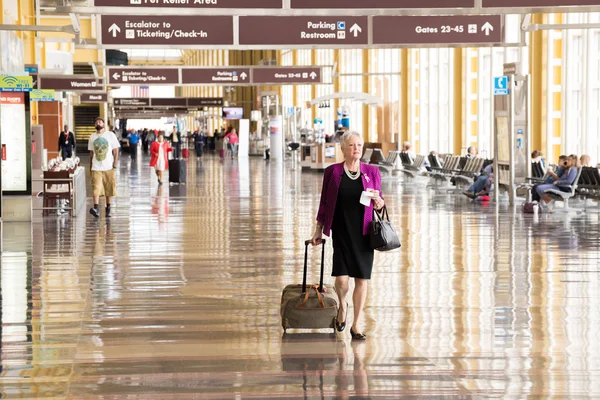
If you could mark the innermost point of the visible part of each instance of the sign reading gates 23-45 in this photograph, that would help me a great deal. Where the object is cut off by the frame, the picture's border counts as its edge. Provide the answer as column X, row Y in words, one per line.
column 12, row 83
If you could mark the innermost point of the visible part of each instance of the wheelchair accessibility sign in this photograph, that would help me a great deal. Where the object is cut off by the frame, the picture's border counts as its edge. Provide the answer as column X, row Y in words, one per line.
column 501, row 86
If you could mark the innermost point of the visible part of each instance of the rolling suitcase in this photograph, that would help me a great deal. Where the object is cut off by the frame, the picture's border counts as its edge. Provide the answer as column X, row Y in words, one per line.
column 309, row 306
column 177, row 171
column 185, row 153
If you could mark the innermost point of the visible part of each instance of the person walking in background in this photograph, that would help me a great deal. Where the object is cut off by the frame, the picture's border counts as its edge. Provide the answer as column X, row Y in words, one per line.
column 199, row 142
column 66, row 143
column 104, row 155
column 145, row 140
column 341, row 210
column 159, row 156
column 176, row 142
column 233, row 139
column 134, row 139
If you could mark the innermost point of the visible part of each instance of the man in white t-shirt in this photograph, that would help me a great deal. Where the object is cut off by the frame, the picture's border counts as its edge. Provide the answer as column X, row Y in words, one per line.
column 104, row 154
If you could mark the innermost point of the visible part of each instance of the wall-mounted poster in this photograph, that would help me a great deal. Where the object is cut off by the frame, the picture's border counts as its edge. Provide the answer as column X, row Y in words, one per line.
column 15, row 146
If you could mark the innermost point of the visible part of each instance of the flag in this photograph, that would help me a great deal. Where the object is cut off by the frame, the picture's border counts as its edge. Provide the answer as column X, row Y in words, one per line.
column 140, row 91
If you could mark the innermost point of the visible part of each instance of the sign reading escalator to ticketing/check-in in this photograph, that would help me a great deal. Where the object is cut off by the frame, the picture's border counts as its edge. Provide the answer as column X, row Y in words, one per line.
column 539, row 3
column 166, row 30
column 378, row 4
column 301, row 30
column 140, row 76
column 457, row 29
column 190, row 3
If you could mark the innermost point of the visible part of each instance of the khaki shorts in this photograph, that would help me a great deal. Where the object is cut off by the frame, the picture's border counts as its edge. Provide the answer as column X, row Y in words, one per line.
column 104, row 183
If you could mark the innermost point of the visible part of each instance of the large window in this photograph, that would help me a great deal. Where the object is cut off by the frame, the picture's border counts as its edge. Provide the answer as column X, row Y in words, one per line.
column 432, row 94
column 384, row 82
column 351, row 80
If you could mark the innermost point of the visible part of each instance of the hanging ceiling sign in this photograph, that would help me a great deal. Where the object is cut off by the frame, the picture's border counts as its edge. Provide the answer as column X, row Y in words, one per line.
column 382, row 4
column 13, row 83
column 301, row 30
column 458, row 29
column 216, row 76
column 203, row 4
column 93, row 98
column 42, row 95
column 71, row 83
column 539, row 3
column 143, row 76
column 287, row 75
column 171, row 102
column 166, row 30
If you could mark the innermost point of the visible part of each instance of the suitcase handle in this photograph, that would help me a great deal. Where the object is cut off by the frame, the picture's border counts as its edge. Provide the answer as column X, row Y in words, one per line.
column 306, row 243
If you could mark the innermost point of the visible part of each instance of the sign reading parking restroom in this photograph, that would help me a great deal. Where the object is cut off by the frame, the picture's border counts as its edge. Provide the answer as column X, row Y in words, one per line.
column 371, row 4
column 539, row 3
column 139, row 76
column 301, row 30
column 456, row 29
column 166, row 30
column 190, row 3
column 216, row 76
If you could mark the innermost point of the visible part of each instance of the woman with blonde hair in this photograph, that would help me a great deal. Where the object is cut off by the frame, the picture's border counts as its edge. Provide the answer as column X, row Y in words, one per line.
column 348, row 213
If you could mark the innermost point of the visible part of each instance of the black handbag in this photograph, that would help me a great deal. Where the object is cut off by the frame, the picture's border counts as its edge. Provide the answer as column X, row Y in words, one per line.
column 383, row 237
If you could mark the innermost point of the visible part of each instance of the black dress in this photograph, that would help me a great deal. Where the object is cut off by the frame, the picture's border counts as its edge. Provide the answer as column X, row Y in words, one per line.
column 352, row 254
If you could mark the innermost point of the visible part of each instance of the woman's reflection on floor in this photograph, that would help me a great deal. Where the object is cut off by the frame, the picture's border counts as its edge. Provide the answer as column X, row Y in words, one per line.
column 351, row 380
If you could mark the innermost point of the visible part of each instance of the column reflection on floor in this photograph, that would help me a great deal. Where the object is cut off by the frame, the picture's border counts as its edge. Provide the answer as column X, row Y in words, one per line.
column 177, row 296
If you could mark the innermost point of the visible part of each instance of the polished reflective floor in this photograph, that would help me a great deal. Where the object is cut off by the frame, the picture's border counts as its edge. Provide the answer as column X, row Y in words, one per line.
column 177, row 296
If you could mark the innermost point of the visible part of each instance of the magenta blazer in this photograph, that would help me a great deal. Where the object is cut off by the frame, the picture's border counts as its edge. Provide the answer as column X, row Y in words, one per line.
column 371, row 179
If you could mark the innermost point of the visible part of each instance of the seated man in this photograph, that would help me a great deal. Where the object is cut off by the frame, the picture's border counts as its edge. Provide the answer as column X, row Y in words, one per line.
column 484, row 180
column 471, row 153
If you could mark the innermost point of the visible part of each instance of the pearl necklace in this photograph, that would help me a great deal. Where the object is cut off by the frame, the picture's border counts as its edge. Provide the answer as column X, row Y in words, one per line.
column 350, row 175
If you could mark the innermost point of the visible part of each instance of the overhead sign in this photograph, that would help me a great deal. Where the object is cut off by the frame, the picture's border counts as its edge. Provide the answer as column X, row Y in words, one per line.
column 93, row 98
column 190, row 3
column 12, row 83
column 379, row 4
column 166, row 30
column 301, row 30
column 501, row 86
column 141, row 76
column 184, row 102
column 458, row 29
column 283, row 75
column 31, row 68
column 539, row 3
column 69, row 83
column 229, row 76
column 42, row 95
column 139, row 102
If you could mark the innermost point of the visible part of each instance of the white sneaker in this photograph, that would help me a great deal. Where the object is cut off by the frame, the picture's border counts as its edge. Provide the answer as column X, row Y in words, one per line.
column 550, row 207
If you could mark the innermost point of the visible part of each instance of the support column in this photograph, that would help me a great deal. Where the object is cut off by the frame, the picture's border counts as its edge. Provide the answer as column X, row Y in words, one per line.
column 536, row 62
column 404, row 97
column 459, row 98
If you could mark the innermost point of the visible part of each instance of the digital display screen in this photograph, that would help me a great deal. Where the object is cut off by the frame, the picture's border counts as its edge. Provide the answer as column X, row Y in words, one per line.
column 233, row 112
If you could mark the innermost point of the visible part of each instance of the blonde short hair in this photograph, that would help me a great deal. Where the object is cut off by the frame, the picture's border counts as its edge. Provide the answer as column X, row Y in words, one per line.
column 346, row 137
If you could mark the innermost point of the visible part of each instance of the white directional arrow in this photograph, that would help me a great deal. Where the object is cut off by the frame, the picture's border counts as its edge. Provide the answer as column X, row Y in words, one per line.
column 116, row 76
column 313, row 75
column 355, row 29
column 114, row 28
column 487, row 27
column 243, row 75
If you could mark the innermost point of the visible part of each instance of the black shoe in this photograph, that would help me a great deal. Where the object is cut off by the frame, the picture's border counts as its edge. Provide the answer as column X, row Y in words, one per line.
column 107, row 212
column 341, row 326
column 94, row 212
column 469, row 194
column 357, row 336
